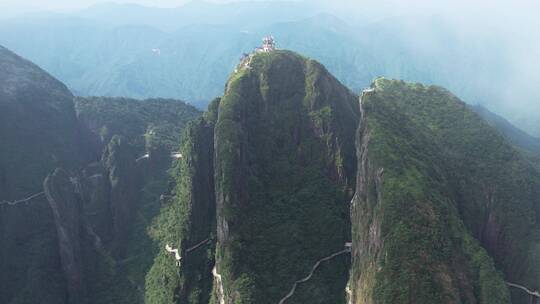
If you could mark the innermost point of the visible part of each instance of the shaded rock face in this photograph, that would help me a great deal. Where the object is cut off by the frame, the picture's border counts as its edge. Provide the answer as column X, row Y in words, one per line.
column 38, row 122
column 83, row 215
column 189, row 220
column 66, row 207
column 39, row 132
column 29, row 258
column 366, row 231
column 96, row 190
column 284, row 172
column 119, row 162
column 202, row 213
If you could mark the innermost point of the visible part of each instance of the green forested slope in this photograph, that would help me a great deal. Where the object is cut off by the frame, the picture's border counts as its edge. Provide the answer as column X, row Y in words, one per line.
column 135, row 119
column 437, row 183
column 127, row 129
column 528, row 144
column 188, row 220
column 284, row 176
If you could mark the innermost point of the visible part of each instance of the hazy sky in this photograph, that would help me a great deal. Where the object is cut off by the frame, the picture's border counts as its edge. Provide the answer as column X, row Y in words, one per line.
column 513, row 10
column 515, row 22
column 416, row 6
column 78, row 4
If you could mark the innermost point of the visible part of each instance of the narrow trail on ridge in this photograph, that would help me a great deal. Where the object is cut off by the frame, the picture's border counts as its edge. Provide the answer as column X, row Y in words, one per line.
column 317, row 264
column 219, row 283
column 22, row 200
column 176, row 252
column 532, row 293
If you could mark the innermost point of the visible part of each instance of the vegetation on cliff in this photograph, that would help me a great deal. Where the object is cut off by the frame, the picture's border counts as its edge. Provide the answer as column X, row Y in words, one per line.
column 284, row 175
column 449, row 200
column 128, row 129
column 137, row 120
column 188, row 219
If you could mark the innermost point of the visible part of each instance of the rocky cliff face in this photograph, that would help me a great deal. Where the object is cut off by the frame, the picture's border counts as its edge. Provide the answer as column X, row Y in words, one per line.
column 188, row 222
column 427, row 174
column 284, row 172
column 39, row 132
column 200, row 224
column 430, row 208
column 285, row 169
column 61, row 193
column 119, row 161
column 280, row 154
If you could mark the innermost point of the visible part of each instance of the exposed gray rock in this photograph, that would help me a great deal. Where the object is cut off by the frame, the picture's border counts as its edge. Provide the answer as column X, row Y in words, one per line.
column 66, row 207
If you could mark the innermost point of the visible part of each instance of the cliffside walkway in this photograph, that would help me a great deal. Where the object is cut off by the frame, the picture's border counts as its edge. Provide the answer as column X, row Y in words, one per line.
column 176, row 252
column 175, row 155
column 530, row 292
column 308, row 277
column 219, row 282
column 197, row 245
column 24, row 200
column 142, row 157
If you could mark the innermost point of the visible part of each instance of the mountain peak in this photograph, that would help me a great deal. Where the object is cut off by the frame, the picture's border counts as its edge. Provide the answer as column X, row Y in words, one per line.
column 283, row 76
column 19, row 76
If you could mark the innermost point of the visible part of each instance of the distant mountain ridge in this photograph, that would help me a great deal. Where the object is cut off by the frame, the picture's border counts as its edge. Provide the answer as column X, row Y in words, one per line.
column 242, row 13
column 526, row 143
column 516, row 136
column 187, row 52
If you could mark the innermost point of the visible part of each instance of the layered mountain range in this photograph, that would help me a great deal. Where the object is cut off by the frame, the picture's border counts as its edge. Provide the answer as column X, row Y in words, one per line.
column 187, row 52
column 290, row 188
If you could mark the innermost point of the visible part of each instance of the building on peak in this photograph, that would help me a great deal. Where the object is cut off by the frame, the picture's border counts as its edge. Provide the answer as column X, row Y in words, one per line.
column 269, row 45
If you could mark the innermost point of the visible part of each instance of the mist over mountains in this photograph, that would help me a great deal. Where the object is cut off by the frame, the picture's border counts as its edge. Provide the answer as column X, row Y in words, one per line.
column 187, row 52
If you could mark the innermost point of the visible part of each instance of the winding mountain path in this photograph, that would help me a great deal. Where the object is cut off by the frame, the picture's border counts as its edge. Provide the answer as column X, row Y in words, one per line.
column 308, row 277
column 198, row 245
column 22, row 200
column 219, row 283
column 532, row 293
column 142, row 157
column 176, row 252
column 176, row 155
